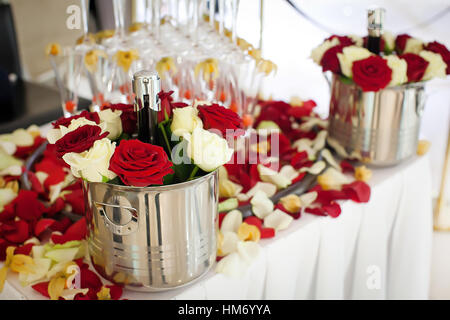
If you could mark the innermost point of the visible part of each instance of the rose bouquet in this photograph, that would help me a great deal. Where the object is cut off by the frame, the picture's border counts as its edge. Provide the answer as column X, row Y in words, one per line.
column 405, row 60
column 100, row 146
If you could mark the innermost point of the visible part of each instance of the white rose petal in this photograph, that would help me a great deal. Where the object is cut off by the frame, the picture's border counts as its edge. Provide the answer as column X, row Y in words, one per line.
column 229, row 242
column 398, row 67
column 318, row 52
column 272, row 176
column 69, row 294
column 305, row 144
column 268, row 188
column 333, row 179
column 248, row 250
column 40, row 269
column 14, row 170
column 8, row 147
column 413, row 45
column 92, row 164
column 232, row 265
column 316, row 168
column 389, row 40
column 185, row 120
column 311, row 122
column 278, row 220
column 328, row 156
column 261, row 204
column 112, row 121
column 208, row 150
column 231, row 221
column 289, row 172
column 6, row 196
column 308, row 198
column 349, row 55
column 357, row 40
column 436, row 65
column 243, row 197
column 319, row 141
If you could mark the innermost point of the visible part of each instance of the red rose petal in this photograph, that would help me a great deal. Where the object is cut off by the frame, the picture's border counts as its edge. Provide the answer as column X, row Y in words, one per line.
column 25, row 249
column 347, row 166
column 221, row 216
column 42, row 225
column 252, row 220
column 42, row 288
column 24, row 152
column 295, row 215
column 319, row 211
column 61, row 225
column 76, row 201
column 333, row 209
column 115, row 291
column 267, row 233
column 35, row 183
column 27, row 206
column 77, row 231
column 3, row 246
column 357, row 191
column 18, row 232
column 56, row 207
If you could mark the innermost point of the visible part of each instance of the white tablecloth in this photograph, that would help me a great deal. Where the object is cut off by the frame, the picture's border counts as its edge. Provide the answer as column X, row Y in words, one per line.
column 378, row 250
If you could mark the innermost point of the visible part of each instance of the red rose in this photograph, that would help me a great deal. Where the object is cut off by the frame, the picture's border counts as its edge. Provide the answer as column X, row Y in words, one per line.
column 343, row 40
column 167, row 105
column 220, row 118
column 400, row 42
column 372, row 73
column 128, row 116
column 416, row 66
column 140, row 164
column 276, row 111
column 92, row 116
column 437, row 47
column 330, row 61
column 79, row 140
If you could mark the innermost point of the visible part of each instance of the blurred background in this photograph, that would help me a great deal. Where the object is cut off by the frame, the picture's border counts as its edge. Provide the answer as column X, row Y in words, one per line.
column 286, row 32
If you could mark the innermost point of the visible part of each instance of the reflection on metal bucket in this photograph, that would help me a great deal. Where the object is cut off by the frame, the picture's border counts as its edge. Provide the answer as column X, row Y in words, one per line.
column 379, row 128
column 154, row 238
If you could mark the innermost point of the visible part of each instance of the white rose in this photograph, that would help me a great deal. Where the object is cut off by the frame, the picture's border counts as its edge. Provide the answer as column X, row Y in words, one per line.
column 389, row 40
column 436, row 65
column 208, row 150
column 55, row 134
column 185, row 120
column 398, row 67
column 413, row 45
column 357, row 40
column 112, row 121
column 349, row 55
column 92, row 164
column 318, row 52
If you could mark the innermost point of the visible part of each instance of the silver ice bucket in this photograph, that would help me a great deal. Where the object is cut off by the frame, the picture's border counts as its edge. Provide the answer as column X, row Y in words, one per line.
column 153, row 238
column 379, row 128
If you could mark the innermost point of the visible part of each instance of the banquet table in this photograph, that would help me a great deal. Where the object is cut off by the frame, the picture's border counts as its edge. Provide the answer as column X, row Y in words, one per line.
column 377, row 250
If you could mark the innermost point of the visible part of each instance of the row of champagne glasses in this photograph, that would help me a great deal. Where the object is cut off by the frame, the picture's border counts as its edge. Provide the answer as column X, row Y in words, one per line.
column 192, row 44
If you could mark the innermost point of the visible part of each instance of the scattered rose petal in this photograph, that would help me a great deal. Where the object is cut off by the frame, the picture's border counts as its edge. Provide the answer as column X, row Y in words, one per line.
column 316, row 168
column 272, row 176
column 277, row 220
column 248, row 232
column 328, row 156
column 232, row 221
column 42, row 225
column 268, row 188
column 261, row 205
column 267, row 233
column 332, row 179
column 346, row 167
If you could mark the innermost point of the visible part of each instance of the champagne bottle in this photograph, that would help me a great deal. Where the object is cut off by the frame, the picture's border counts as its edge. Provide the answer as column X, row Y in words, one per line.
column 146, row 86
column 375, row 20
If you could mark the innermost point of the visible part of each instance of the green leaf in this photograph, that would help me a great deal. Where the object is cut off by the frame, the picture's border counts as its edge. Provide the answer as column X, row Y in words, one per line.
column 123, row 136
column 168, row 178
column 346, row 80
column 104, row 179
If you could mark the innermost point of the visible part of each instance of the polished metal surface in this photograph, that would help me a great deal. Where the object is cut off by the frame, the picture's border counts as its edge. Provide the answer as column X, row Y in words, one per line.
column 154, row 238
column 379, row 128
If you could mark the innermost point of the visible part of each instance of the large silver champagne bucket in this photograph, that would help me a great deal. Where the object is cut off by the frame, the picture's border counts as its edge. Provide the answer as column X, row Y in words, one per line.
column 379, row 128
column 153, row 238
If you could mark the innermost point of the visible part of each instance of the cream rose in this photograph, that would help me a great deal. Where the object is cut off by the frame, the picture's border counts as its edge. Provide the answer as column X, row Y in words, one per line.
column 398, row 67
column 112, row 122
column 357, row 40
column 389, row 40
column 207, row 150
column 436, row 65
column 185, row 120
column 318, row 52
column 55, row 134
column 93, row 164
column 413, row 45
column 349, row 55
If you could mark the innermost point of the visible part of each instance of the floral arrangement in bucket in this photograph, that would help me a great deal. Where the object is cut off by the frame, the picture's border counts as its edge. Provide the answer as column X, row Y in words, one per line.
column 99, row 146
column 405, row 60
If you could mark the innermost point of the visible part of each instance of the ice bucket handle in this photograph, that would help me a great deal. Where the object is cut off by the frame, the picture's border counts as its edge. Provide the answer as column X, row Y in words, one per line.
column 115, row 228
